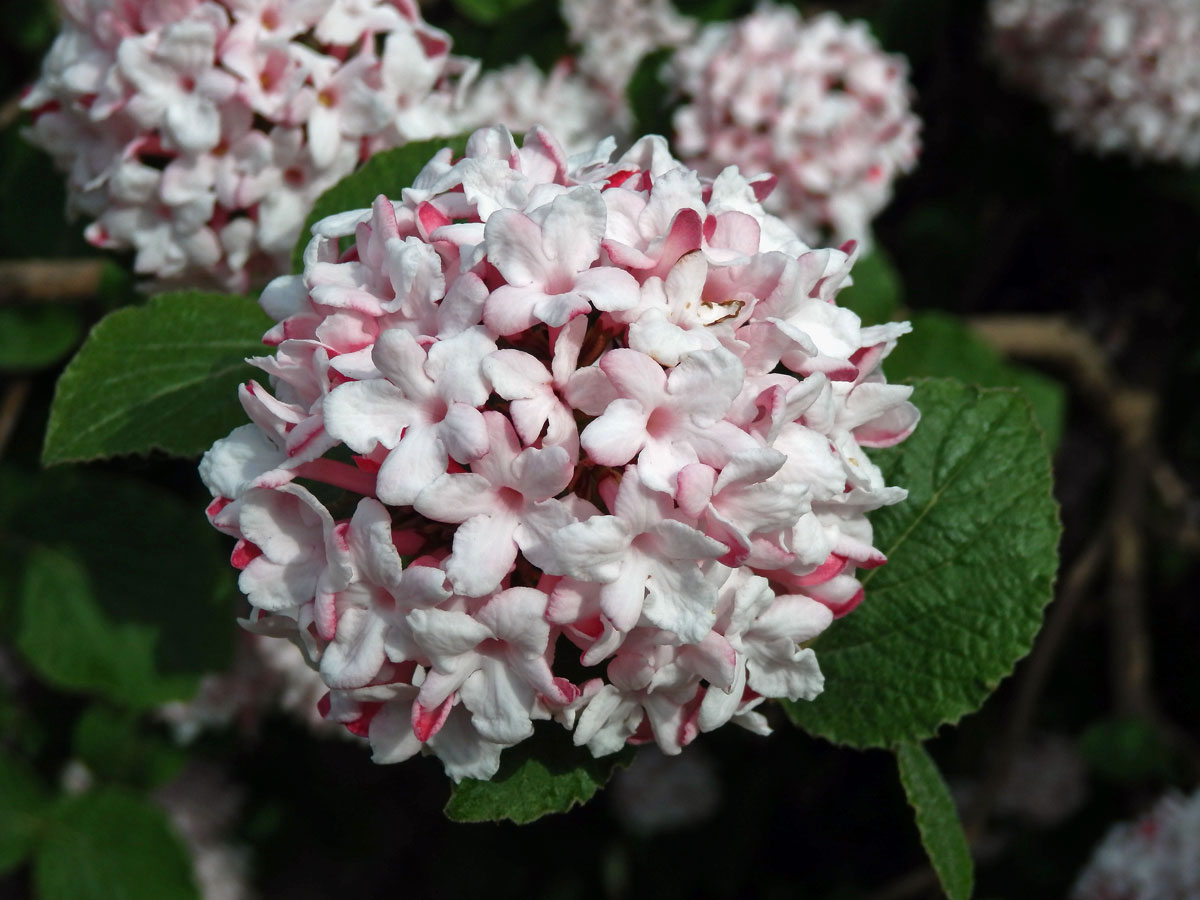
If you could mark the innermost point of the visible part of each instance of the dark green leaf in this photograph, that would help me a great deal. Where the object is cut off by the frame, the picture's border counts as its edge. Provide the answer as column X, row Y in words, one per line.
column 23, row 802
column 115, row 747
column 489, row 12
column 33, row 337
column 130, row 601
column 1127, row 751
column 877, row 292
column 972, row 556
column 32, row 187
column 648, row 97
column 163, row 376
column 112, row 845
column 942, row 346
column 541, row 776
column 71, row 644
column 937, row 820
column 386, row 173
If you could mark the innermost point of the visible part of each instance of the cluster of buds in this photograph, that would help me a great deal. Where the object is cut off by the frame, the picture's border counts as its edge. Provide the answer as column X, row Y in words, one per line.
column 1120, row 76
column 817, row 103
column 542, row 415
column 1152, row 858
column 198, row 133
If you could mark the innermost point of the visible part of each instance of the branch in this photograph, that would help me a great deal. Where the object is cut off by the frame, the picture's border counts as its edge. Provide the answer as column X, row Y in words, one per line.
column 10, row 409
column 10, row 111
column 50, row 280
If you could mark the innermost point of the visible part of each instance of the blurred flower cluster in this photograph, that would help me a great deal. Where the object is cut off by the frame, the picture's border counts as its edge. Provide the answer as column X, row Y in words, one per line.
column 1152, row 858
column 816, row 102
column 1119, row 75
column 199, row 133
column 610, row 402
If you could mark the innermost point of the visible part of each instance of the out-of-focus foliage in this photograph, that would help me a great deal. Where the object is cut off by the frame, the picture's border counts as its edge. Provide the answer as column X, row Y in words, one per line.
column 115, row 587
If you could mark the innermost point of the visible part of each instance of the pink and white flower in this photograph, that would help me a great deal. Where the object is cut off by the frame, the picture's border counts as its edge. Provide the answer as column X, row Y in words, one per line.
column 199, row 134
column 609, row 402
column 1151, row 857
column 817, row 103
column 1120, row 76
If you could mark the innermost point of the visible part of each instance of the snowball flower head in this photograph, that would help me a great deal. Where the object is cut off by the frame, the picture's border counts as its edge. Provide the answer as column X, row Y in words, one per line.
column 815, row 102
column 613, row 36
column 589, row 417
column 520, row 96
column 1121, row 76
column 199, row 133
column 1153, row 858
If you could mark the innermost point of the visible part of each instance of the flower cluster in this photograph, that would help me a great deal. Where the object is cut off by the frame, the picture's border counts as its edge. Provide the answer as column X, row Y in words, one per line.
column 817, row 103
column 520, row 96
column 614, row 36
column 1119, row 75
column 198, row 133
column 584, row 417
column 203, row 807
column 1153, row 858
column 266, row 675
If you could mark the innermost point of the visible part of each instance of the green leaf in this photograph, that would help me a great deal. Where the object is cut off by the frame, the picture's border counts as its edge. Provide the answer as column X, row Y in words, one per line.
column 877, row 292
column 130, row 601
column 942, row 346
column 163, row 376
column 74, row 646
column 112, row 845
column 937, row 820
column 1127, row 751
column 489, row 12
column 35, row 226
column 34, row 337
column 386, row 173
column 540, row 776
column 972, row 555
column 23, row 802
column 116, row 748
column 648, row 98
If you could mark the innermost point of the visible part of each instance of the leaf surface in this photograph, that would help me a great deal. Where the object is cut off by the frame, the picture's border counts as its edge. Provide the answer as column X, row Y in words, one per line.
column 112, row 845
column 543, row 775
column 972, row 555
column 163, row 376
column 942, row 833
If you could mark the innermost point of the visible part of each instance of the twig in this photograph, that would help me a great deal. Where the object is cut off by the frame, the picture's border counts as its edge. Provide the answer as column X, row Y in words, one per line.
column 10, row 409
column 1129, row 640
column 1131, row 414
column 910, row 884
column 50, row 280
column 1036, row 674
column 10, row 111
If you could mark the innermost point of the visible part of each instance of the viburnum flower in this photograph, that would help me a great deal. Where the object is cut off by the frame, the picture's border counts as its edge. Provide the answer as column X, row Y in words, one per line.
column 1151, row 858
column 586, row 416
column 1120, row 76
column 203, row 806
column 198, row 134
column 817, row 103
column 571, row 104
column 613, row 37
